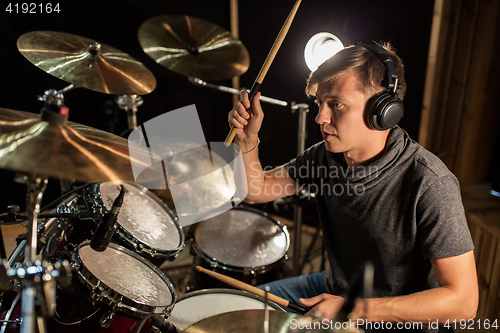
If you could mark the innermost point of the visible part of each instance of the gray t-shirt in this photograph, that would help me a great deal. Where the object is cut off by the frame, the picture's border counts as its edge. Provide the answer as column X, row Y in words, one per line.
column 398, row 212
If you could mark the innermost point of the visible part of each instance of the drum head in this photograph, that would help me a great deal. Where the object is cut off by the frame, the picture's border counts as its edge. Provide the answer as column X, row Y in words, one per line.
column 128, row 274
column 144, row 216
column 201, row 304
column 242, row 238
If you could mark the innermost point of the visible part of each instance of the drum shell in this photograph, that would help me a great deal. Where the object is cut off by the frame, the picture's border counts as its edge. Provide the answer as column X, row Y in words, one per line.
column 97, row 291
column 120, row 324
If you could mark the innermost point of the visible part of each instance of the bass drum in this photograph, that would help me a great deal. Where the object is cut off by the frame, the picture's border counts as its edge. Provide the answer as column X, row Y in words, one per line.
column 201, row 304
column 243, row 243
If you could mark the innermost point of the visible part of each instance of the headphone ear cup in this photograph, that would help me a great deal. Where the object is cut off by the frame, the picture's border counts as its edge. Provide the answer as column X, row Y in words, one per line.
column 384, row 111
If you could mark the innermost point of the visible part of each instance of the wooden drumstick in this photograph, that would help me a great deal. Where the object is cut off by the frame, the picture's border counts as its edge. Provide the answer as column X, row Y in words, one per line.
column 254, row 290
column 267, row 64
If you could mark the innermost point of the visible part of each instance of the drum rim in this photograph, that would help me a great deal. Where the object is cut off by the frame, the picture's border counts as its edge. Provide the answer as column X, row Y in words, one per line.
column 215, row 263
column 113, row 298
column 228, row 291
column 138, row 245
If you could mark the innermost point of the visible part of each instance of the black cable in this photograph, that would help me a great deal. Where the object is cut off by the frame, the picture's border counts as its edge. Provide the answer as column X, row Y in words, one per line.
column 158, row 321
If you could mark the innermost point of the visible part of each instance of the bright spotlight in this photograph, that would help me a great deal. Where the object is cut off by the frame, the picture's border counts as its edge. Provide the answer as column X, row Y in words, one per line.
column 321, row 47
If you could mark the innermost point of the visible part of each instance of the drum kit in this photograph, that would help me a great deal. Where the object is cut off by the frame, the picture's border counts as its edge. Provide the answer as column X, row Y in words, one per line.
column 57, row 280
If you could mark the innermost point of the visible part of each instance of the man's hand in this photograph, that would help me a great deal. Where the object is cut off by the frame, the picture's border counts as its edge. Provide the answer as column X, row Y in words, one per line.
column 324, row 305
column 247, row 118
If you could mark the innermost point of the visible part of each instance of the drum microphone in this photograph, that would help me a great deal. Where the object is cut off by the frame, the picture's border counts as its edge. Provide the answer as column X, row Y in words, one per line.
column 106, row 229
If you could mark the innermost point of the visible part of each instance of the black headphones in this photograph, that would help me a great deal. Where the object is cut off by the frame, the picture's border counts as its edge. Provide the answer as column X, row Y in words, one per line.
column 384, row 110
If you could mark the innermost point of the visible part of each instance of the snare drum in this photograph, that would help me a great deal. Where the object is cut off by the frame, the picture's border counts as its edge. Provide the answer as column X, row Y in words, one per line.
column 145, row 224
column 244, row 243
column 201, row 304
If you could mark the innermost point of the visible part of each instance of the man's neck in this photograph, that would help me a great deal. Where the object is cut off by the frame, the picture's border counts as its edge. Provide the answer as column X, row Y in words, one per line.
column 361, row 157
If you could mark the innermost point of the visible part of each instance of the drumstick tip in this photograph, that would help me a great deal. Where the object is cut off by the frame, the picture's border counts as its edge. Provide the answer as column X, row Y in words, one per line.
column 199, row 268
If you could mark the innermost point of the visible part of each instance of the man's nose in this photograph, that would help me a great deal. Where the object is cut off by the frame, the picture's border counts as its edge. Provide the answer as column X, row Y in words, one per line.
column 323, row 116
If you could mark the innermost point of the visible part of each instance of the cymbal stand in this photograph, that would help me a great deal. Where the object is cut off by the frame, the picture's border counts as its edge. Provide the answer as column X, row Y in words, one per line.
column 302, row 109
column 36, row 185
column 197, row 81
column 129, row 103
column 265, row 328
column 37, row 279
column 56, row 97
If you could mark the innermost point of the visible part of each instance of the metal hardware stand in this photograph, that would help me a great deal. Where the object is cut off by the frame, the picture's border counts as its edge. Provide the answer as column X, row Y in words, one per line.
column 302, row 109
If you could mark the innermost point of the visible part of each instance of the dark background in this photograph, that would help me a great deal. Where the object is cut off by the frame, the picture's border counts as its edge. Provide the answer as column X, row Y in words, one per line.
column 406, row 24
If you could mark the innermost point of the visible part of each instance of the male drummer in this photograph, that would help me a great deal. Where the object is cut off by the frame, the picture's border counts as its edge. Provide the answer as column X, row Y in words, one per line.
column 381, row 198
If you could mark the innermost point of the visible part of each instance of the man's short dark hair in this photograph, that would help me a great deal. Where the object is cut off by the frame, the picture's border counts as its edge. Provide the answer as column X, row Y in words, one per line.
column 370, row 71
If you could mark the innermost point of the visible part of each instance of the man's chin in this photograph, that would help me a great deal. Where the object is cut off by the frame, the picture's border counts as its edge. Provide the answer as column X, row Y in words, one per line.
column 332, row 148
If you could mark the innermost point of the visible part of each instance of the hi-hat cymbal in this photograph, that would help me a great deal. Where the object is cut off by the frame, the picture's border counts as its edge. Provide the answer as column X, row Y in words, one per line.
column 86, row 63
column 252, row 321
column 70, row 151
column 193, row 47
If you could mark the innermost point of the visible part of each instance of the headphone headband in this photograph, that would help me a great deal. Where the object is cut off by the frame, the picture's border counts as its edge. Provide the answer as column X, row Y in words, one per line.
column 392, row 77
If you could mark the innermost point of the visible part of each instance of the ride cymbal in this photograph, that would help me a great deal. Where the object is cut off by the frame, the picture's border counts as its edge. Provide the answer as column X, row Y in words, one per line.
column 193, row 47
column 68, row 151
column 86, row 63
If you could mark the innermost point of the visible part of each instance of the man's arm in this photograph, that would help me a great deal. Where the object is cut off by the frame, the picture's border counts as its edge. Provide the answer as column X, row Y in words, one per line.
column 455, row 299
column 262, row 186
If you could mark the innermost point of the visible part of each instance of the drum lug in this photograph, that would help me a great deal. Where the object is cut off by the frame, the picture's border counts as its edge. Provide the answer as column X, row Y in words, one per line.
column 172, row 258
column 96, row 293
column 107, row 319
column 154, row 329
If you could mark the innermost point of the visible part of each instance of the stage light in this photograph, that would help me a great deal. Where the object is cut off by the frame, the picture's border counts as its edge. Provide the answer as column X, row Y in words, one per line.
column 321, row 47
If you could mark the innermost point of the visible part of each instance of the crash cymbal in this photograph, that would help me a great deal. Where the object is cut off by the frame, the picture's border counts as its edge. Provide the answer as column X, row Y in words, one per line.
column 69, row 151
column 252, row 321
column 193, row 47
column 86, row 63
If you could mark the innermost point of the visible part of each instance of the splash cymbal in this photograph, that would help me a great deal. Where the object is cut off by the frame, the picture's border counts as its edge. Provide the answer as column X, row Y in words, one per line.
column 86, row 63
column 193, row 47
column 68, row 151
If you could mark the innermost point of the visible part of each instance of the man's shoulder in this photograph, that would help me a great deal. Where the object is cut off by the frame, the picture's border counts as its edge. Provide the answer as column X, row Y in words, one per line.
column 429, row 163
column 314, row 153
